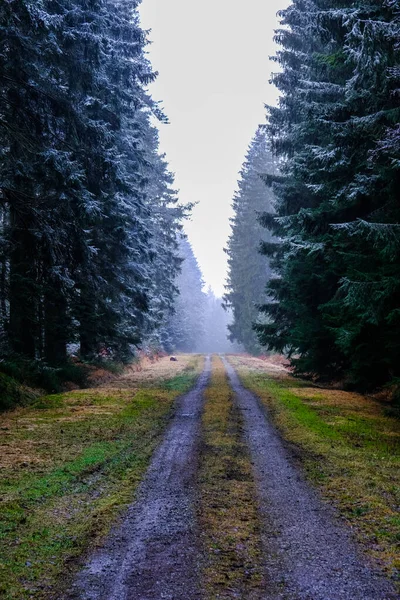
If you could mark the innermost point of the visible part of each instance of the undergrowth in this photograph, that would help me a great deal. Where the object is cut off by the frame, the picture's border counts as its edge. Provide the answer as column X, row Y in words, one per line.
column 13, row 393
column 22, row 373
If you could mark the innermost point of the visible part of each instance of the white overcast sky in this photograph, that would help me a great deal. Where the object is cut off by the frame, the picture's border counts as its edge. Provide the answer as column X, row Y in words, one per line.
column 213, row 63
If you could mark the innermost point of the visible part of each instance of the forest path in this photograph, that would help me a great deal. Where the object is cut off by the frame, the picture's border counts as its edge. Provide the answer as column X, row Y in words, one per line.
column 157, row 552
column 307, row 550
column 153, row 554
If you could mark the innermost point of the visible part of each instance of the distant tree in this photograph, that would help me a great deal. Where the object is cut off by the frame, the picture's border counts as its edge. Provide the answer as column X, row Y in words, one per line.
column 167, row 215
column 186, row 326
column 249, row 271
column 216, row 327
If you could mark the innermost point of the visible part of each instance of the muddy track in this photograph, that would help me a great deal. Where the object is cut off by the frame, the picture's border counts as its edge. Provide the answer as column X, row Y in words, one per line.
column 309, row 554
column 153, row 554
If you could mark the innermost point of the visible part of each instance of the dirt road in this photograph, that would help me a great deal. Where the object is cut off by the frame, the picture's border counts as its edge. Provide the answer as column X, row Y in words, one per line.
column 307, row 551
column 155, row 554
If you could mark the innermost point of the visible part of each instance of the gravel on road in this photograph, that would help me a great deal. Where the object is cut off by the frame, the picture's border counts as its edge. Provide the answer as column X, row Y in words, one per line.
column 153, row 554
column 309, row 554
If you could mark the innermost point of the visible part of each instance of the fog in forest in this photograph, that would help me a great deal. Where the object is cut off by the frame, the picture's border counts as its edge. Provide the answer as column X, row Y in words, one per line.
column 169, row 191
column 214, row 80
column 199, row 322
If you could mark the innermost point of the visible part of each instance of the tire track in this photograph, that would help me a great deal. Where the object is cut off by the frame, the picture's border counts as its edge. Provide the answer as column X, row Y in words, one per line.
column 309, row 553
column 153, row 554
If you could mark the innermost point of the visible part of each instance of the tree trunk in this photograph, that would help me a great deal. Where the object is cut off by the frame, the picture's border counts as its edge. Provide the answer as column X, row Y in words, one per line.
column 56, row 325
column 23, row 289
column 88, row 325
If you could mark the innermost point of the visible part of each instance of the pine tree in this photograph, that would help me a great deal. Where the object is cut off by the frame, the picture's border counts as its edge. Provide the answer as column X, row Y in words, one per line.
column 364, row 313
column 248, row 270
column 36, row 165
column 186, row 326
column 336, row 193
column 113, row 280
column 89, row 219
column 167, row 215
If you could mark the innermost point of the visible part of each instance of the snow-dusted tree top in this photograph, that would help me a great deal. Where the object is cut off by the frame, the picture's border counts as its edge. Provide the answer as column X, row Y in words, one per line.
column 89, row 215
column 248, row 270
column 336, row 129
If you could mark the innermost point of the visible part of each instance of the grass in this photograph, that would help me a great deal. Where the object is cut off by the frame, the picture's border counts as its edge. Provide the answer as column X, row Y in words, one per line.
column 349, row 446
column 228, row 516
column 70, row 463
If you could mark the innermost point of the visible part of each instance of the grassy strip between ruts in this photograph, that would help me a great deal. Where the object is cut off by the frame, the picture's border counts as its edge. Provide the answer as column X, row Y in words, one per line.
column 349, row 446
column 228, row 515
column 70, row 463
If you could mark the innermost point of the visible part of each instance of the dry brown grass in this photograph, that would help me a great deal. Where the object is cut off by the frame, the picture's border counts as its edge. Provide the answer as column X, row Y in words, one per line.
column 148, row 371
column 27, row 433
column 274, row 365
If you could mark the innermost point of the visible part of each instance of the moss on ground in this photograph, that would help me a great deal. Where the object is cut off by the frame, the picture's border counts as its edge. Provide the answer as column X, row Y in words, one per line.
column 228, row 515
column 349, row 446
column 70, row 463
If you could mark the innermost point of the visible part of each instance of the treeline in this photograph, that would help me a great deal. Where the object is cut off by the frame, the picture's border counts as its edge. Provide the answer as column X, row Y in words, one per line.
column 186, row 325
column 89, row 217
column 248, row 271
column 333, row 301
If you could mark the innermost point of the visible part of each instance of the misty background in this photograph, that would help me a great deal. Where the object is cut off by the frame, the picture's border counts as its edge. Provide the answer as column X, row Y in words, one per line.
column 214, row 71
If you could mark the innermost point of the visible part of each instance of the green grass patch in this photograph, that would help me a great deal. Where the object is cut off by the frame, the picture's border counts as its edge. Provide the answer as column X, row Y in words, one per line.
column 180, row 383
column 350, row 448
column 70, row 464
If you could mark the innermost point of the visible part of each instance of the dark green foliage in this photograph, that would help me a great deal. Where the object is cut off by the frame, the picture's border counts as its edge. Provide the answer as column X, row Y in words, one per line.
column 38, row 374
column 88, row 218
column 13, row 394
column 335, row 301
column 166, row 255
column 248, row 270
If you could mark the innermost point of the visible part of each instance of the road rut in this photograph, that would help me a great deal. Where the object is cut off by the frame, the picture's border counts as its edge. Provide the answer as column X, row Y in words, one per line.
column 153, row 554
column 309, row 553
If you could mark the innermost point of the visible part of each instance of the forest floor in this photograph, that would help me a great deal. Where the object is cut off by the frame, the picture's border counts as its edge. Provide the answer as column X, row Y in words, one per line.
column 71, row 462
column 242, row 482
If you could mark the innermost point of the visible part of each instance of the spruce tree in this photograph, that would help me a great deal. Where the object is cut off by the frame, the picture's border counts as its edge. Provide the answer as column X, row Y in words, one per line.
column 186, row 326
column 332, row 300
column 248, row 270
column 167, row 215
column 36, row 166
column 89, row 219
